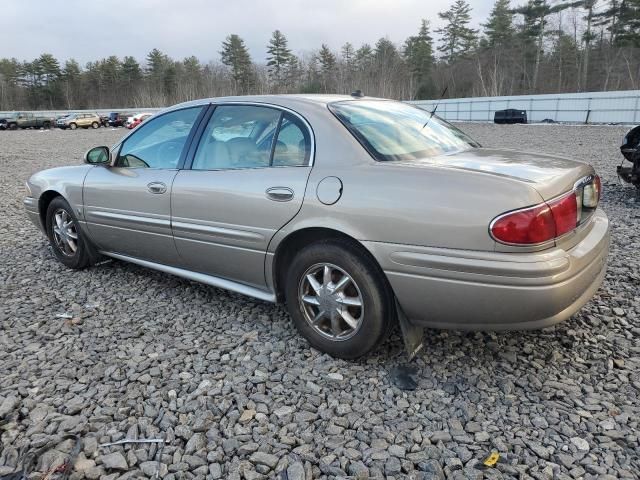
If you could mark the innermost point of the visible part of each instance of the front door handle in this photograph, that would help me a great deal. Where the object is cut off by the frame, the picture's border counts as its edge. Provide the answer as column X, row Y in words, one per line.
column 279, row 194
column 156, row 187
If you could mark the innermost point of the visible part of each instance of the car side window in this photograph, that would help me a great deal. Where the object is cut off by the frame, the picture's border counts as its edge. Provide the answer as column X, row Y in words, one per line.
column 158, row 142
column 234, row 137
column 293, row 145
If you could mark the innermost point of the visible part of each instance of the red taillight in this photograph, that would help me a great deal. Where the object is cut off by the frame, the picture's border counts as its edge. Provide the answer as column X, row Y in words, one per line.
column 565, row 213
column 525, row 227
column 551, row 219
column 537, row 224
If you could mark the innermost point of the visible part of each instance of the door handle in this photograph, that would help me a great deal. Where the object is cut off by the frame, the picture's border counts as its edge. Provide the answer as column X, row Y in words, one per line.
column 156, row 187
column 279, row 194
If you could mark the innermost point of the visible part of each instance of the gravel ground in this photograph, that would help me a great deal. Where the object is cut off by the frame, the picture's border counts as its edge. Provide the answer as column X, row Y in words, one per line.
column 237, row 393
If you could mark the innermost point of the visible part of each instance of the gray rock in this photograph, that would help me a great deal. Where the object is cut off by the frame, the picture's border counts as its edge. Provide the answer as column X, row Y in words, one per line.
column 197, row 442
column 215, row 470
column 114, row 461
column 8, row 404
column 262, row 458
column 580, row 443
column 295, row 471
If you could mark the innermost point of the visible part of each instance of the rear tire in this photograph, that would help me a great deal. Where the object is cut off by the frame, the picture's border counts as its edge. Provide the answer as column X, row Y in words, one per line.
column 69, row 244
column 13, row 126
column 73, row 126
column 46, row 125
column 339, row 299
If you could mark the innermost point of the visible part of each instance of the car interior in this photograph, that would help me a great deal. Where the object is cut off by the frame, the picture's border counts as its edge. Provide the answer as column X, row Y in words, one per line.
column 242, row 137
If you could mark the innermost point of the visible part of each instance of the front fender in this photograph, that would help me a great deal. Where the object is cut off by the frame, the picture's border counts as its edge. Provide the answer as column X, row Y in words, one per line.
column 64, row 181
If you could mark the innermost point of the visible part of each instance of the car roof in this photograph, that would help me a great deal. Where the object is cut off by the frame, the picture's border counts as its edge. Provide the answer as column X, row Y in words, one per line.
column 285, row 100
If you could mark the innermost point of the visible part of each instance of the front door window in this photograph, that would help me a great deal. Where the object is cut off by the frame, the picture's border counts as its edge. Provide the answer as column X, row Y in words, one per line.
column 158, row 142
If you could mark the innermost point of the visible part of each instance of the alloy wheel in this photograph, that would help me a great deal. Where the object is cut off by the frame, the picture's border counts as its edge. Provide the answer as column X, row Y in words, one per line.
column 65, row 233
column 331, row 301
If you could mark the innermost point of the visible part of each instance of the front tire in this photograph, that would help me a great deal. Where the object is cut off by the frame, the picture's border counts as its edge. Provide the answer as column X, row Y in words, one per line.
column 95, row 125
column 339, row 299
column 73, row 126
column 65, row 236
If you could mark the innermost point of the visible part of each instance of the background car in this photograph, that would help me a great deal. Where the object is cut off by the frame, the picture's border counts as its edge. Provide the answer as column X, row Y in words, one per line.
column 118, row 119
column 79, row 120
column 137, row 120
column 357, row 213
column 21, row 120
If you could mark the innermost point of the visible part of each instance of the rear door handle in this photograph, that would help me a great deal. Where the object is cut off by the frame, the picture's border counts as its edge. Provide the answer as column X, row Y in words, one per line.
column 279, row 194
column 156, row 187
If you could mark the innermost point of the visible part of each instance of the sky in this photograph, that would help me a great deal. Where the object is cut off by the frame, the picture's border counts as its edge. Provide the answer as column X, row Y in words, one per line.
column 92, row 29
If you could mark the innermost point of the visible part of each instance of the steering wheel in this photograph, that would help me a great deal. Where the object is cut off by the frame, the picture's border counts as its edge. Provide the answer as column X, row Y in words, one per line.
column 169, row 153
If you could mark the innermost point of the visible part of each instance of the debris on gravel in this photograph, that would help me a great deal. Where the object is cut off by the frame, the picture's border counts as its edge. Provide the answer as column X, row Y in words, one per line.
column 236, row 393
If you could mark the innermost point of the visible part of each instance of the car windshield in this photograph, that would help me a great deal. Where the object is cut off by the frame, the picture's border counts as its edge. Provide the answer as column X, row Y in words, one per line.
column 397, row 131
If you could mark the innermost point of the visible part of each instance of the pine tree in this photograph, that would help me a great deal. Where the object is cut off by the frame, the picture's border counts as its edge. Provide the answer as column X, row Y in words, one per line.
column 327, row 68
column 192, row 65
column 131, row 72
column 110, row 70
column 348, row 54
column 418, row 51
column 385, row 51
column 499, row 29
column 278, row 59
column 627, row 29
column 235, row 55
column 156, row 63
column 292, row 73
column 71, row 77
column 50, row 68
column 536, row 14
column 364, row 57
column 608, row 18
column 457, row 36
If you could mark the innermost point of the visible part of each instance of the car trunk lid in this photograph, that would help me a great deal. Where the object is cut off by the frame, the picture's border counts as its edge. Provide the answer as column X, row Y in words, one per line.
column 550, row 175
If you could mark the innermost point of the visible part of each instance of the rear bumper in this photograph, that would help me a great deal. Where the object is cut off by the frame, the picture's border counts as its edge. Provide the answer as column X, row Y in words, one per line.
column 468, row 290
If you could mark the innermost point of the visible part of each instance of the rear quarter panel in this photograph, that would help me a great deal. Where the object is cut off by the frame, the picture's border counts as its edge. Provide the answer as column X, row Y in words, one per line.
column 387, row 202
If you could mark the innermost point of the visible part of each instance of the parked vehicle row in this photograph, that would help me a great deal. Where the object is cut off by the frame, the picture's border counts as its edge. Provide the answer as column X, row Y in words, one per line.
column 72, row 121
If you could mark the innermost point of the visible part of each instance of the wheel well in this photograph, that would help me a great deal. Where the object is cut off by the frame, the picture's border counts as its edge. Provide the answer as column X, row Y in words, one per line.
column 299, row 239
column 43, row 204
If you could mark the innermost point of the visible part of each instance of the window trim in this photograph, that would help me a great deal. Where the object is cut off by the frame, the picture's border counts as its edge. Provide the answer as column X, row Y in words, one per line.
column 204, row 108
column 188, row 164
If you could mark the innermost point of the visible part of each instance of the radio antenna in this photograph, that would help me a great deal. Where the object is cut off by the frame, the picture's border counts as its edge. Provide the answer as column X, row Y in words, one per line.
column 433, row 112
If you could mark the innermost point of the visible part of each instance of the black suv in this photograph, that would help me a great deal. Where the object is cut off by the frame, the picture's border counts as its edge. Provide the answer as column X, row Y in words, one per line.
column 510, row 115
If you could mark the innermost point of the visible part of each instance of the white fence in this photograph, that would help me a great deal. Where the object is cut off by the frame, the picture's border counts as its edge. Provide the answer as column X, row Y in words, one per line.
column 589, row 107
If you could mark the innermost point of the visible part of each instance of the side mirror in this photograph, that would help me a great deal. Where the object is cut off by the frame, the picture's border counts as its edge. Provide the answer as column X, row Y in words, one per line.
column 98, row 156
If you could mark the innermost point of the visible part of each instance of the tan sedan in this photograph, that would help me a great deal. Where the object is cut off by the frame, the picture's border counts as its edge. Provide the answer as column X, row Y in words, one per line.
column 356, row 212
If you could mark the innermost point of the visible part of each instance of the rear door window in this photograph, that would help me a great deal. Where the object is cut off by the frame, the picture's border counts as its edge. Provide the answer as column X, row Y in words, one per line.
column 232, row 138
column 293, row 144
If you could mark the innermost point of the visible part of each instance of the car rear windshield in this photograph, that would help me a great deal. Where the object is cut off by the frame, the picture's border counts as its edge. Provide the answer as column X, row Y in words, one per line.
column 397, row 131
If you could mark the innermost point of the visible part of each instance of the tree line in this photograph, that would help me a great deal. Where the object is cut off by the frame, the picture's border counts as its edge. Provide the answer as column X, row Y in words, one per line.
column 542, row 46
